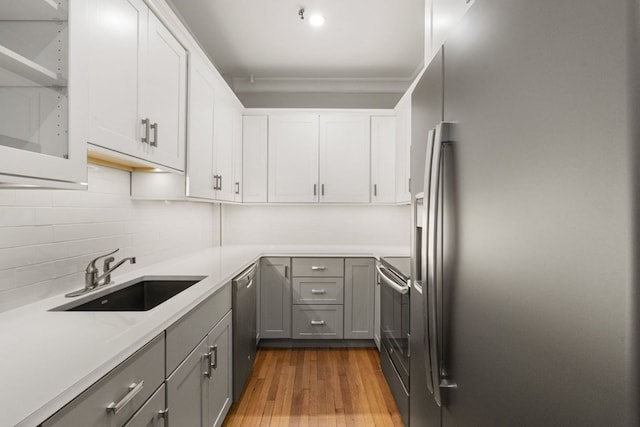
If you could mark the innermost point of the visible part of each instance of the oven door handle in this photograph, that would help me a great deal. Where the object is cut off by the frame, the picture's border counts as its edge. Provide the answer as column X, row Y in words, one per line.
column 400, row 289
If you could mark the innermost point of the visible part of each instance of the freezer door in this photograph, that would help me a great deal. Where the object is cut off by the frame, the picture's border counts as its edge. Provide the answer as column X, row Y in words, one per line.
column 427, row 113
column 536, row 303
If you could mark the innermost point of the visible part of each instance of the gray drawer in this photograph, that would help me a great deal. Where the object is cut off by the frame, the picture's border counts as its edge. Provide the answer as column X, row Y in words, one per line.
column 318, row 290
column 150, row 415
column 184, row 335
column 318, row 267
column 145, row 369
column 317, row 321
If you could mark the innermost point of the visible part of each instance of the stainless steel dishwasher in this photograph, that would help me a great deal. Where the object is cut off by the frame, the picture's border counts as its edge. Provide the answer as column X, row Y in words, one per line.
column 244, row 328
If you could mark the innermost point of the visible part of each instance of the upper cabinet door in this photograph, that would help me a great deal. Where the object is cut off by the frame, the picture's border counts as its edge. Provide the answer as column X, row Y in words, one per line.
column 403, row 152
column 293, row 158
column 237, row 155
column 42, row 93
column 137, row 93
column 118, row 34
column 164, row 97
column 223, row 148
column 344, row 158
column 254, row 159
column 383, row 159
column 200, row 147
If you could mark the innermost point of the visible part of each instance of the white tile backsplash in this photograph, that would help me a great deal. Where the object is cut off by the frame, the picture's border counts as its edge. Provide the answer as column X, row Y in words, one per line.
column 47, row 237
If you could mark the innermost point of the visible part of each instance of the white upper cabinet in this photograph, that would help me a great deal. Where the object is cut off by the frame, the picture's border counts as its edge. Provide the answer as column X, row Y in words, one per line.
column 403, row 152
column 200, row 148
column 227, row 125
column 254, row 158
column 164, row 97
column 383, row 159
column 214, row 153
column 113, row 100
column 293, row 158
column 137, row 94
column 344, row 158
column 43, row 122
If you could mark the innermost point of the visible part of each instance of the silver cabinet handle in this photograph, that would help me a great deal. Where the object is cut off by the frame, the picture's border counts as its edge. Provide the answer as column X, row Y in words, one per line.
column 286, row 271
column 164, row 414
column 154, row 141
column 318, row 291
column 249, row 284
column 207, row 359
column 237, row 188
column 219, row 182
column 375, row 190
column 134, row 389
column 318, row 267
column 315, row 189
column 322, row 190
column 317, row 322
column 145, row 137
column 214, row 362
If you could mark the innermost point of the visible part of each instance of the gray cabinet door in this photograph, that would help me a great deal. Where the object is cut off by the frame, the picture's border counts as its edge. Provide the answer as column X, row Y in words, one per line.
column 186, row 389
column 220, row 387
column 275, row 298
column 359, row 287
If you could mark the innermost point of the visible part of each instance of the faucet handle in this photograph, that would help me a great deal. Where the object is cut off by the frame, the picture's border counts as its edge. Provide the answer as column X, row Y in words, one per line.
column 92, row 265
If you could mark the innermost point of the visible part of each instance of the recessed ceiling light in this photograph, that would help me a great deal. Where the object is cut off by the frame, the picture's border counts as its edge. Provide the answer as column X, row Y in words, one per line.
column 317, row 20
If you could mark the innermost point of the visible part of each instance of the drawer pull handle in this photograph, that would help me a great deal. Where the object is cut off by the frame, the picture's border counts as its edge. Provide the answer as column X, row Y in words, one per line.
column 318, row 267
column 318, row 291
column 317, row 322
column 134, row 389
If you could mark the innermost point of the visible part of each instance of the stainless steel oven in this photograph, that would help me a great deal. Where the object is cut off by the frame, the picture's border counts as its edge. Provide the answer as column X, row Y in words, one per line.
column 393, row 278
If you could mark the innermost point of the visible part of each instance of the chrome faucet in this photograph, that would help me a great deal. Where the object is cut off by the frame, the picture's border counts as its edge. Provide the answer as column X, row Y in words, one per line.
column 92, row 276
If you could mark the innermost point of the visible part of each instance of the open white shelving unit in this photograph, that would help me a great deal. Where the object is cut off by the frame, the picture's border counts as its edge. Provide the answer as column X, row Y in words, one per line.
column 28, row 69
column 32, row 10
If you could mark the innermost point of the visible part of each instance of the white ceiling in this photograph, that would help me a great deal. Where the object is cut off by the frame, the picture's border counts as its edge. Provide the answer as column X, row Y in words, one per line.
column 365, row 46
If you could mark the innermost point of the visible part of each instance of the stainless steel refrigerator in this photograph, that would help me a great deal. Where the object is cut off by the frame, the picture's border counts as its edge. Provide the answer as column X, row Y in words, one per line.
column 524, row 259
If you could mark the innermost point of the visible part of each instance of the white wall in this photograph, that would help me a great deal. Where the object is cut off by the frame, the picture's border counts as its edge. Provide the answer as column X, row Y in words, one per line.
column 47, row 237
column 316, row 225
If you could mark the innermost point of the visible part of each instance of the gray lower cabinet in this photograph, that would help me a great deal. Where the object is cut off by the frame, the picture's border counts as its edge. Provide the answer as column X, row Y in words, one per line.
column 195, row 354
column 275, row 298
column 325, row 298
column 199, row 390
column 359, row 298
column 186, row 389
column 118, row 395
column 220, row 386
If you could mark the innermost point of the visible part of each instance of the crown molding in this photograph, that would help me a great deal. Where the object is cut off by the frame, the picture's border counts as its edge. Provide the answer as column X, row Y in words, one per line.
column 320, row 85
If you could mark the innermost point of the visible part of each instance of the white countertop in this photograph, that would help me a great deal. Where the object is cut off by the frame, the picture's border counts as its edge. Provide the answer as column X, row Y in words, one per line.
column 49, row 357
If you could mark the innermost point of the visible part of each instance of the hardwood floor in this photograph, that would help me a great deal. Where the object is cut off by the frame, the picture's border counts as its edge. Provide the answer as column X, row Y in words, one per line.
column 316, row 387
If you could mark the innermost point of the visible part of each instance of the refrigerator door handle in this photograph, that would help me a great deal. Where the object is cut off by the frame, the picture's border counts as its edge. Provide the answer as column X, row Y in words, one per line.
column 424, row 262
column 434, row 258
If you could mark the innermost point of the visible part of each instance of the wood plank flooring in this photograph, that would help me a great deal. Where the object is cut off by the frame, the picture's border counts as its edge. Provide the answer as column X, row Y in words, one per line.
column 316, row 387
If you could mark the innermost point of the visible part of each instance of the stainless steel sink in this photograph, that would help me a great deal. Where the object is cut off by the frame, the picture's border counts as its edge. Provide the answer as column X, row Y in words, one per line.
column 141, row 294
